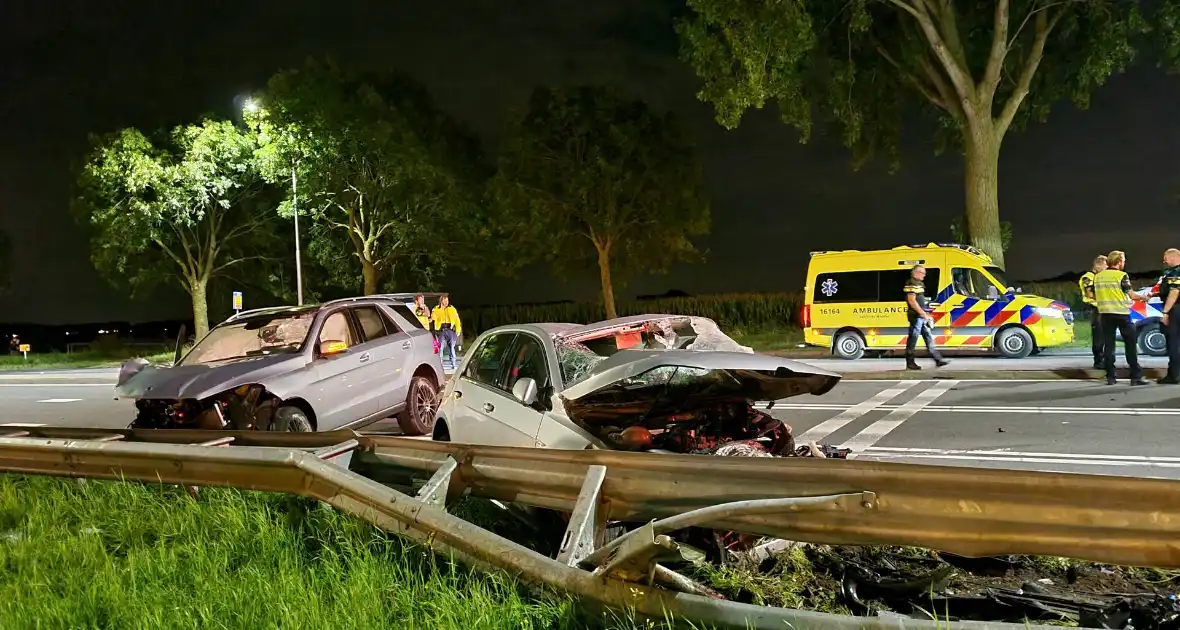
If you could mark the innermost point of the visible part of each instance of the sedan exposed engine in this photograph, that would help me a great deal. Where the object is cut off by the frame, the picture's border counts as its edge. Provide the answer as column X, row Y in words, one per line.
column 706, row 431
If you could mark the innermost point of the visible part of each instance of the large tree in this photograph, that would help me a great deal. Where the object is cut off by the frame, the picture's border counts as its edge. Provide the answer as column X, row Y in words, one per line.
column 979, row 67
column 183, row 209
column 387, row 177
column 588, row 176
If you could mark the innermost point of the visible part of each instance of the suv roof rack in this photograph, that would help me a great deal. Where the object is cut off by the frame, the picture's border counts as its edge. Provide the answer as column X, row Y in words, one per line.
column 967, row 248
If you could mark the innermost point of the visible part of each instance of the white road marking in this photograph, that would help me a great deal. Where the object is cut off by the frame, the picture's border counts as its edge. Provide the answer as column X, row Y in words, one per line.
column 61, row 385
column 922, row 452
column 830, row 426
column 1113, row 411
column 1016, row 458
column 20, row 424
column 879, row 429
column 60, row 400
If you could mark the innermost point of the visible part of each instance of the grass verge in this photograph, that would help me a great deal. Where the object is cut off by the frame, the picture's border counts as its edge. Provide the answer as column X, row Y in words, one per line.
column 77, row 360
column 122, row 555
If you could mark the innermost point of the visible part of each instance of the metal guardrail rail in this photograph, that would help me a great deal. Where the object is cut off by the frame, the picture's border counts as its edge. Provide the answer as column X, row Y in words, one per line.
column 965, row 511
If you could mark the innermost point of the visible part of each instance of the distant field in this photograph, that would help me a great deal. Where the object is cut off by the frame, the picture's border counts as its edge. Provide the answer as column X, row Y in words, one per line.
column 52, row 361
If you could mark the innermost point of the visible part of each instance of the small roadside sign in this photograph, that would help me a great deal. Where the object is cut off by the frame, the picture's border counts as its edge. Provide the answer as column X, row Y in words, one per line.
column 25, row 349
column 238, row 301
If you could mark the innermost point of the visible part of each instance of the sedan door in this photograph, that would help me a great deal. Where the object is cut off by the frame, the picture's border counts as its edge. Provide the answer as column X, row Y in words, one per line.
column 482, row 405
column 339, row 397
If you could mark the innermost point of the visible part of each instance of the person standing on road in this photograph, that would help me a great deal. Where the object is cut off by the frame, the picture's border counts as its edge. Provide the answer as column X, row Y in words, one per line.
column 919, row 318
column 446, row 321
column 1113, row 294
column 1086, row 284
column 1170, row 321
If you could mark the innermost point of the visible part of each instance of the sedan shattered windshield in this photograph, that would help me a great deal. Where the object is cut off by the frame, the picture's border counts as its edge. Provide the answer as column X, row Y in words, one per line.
column 253, row 337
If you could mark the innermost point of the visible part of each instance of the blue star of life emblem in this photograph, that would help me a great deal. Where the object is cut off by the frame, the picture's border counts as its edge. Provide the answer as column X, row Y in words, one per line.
column 829, row 287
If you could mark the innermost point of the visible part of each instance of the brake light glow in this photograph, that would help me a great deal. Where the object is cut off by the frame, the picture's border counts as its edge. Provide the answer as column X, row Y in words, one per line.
column 805, row 316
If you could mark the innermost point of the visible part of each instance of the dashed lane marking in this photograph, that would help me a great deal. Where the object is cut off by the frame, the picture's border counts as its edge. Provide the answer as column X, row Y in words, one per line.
column 830, row 426
column 879, row 429
column 20, row 424
column 1113, row 411
column 60, row 400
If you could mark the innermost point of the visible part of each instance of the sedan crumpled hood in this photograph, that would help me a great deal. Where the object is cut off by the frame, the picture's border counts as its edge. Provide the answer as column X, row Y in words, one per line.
column 200, row 381
column 648, row 383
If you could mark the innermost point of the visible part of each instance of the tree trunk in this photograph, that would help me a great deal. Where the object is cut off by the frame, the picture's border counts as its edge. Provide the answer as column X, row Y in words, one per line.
column 372, row 277
column 981, row 165
column 198, row 290
column 608, row 289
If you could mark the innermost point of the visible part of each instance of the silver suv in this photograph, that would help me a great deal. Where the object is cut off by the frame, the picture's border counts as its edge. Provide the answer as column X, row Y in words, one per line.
column 343, row 364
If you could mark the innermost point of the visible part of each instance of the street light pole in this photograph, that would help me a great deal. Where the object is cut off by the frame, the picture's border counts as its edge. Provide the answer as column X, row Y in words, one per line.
column 298, row 264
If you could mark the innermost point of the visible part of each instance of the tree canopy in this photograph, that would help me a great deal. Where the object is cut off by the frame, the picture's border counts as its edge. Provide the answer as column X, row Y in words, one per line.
column 183, row 208
column 588, row 176
column 978, row 68
column 390, row 181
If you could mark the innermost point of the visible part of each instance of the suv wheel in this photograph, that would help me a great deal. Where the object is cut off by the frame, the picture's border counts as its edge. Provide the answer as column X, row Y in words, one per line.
column 421, row 404
column 291, row 419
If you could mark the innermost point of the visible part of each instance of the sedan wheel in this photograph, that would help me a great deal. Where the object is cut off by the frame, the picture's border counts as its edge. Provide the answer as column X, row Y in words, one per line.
column 289, row 419
column 421, row 406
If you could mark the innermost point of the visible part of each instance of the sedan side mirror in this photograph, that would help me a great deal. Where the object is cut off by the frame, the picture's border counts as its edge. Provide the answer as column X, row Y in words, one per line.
column 525, row 390
column 332, row 348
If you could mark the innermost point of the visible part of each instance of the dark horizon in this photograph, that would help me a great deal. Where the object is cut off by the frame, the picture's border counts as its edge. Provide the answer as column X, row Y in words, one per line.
column 1083, row 183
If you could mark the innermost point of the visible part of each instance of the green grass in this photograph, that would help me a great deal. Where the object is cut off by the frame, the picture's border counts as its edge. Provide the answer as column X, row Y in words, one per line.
column 123, row 555
column 57, row 360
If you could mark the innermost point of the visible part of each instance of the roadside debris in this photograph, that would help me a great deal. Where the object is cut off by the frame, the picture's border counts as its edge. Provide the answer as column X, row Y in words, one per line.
column 897, row 581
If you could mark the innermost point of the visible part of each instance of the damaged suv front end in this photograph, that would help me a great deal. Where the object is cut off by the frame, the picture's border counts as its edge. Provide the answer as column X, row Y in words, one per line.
column 238, row 377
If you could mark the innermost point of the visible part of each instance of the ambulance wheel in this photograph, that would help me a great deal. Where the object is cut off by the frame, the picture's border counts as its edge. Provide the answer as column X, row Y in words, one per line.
column 1152, row 341
column 1014, row 343
column 849, row 345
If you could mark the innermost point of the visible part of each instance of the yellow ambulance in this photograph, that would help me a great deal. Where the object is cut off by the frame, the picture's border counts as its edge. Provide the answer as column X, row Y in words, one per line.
column 854, row 303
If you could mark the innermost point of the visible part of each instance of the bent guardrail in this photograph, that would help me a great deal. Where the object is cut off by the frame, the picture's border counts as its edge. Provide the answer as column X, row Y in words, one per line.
column 966, row 511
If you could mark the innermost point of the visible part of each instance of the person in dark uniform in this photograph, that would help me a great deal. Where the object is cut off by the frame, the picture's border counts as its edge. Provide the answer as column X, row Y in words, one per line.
column 1170, row 322
column 1113, row 294
column 1086, row 284
column 921, row 322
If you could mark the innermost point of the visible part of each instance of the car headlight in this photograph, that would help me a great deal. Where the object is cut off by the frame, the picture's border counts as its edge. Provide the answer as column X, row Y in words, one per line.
column 1049, row 311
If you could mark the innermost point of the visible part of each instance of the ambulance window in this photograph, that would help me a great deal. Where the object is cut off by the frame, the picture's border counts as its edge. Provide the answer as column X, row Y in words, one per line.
column 972, row 283
column 893, row 284
column 850, row 286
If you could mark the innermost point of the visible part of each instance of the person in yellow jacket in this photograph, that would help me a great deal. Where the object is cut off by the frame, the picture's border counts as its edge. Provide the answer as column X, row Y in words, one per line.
column 1113, row 297
column 421, row 311
column 1086, row 284
column 445, row 319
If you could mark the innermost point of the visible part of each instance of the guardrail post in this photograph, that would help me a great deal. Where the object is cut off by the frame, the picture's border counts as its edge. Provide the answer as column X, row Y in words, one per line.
column 585, row 524
column 435, row 491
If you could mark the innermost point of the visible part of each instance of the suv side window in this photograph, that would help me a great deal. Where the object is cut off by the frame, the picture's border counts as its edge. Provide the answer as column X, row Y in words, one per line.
column 487, row 361
column 371, row 324
column 337, row 329
column 528, row 361
column 406, row 314
column 845, row 286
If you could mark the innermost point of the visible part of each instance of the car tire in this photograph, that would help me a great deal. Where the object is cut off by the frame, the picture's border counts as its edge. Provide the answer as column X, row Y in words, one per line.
column 291, row 419
column 418, row 416
column 849, row 345
column 1152, row 341
column 1014, row 343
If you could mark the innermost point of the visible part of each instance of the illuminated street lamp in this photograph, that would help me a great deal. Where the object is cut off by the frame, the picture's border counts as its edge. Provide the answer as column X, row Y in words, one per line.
column 252, row 107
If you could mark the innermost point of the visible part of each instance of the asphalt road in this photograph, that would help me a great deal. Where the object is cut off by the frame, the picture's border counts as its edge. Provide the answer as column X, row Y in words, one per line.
column 1046, row 361
column 1067, row 426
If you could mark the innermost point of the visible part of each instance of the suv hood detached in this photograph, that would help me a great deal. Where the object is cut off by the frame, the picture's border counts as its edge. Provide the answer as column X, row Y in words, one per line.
column 658, row 390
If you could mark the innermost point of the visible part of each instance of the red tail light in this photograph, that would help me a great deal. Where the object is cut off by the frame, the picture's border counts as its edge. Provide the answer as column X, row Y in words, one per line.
column 805, row 316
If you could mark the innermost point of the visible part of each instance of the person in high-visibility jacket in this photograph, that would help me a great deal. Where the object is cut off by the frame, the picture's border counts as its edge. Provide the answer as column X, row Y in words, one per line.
column 446, row 321
column 1113, row 297
column 421, row 311
column 1086, row 284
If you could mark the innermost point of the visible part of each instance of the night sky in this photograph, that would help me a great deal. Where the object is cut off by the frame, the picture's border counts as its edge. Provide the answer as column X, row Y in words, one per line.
column 1081, row 184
